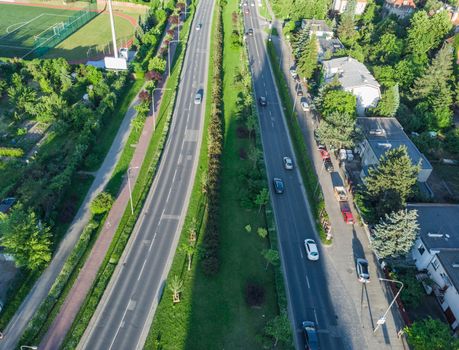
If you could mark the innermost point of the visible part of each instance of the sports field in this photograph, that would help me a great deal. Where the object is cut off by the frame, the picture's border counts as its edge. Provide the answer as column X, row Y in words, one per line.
column 21, row 25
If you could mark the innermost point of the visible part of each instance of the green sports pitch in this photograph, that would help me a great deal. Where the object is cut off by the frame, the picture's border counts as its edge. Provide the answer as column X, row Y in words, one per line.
column 21, row 26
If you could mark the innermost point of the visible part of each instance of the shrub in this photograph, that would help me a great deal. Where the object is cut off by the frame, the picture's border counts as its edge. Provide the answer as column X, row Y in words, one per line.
column 11, row 152
column 102, row 203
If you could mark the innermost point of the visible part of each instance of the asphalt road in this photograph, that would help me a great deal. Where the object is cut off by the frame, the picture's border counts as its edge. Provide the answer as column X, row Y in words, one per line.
column 307, row 282
column 124, row 317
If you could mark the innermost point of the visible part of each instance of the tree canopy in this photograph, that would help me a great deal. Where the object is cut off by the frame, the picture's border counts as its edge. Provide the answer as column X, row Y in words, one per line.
column 431, row 334
column 339, row 101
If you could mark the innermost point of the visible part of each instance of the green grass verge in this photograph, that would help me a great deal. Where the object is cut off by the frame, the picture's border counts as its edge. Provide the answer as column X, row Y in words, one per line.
column 139, row 194
column 305, row 165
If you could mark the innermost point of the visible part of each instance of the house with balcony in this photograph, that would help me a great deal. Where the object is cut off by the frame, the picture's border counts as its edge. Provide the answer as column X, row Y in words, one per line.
column 436, row 255
column 382, row 134
column 399, row 8
column 341, row 5
column 355, row 78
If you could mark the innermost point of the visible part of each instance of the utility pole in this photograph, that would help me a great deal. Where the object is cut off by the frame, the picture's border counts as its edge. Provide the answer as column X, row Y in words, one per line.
column 112, row 25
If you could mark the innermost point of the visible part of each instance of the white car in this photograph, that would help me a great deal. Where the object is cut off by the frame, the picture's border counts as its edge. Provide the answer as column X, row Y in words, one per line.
column 198, row 26
column 305, row 106
column 311, row 249
column 288, row 163
column 198, row 98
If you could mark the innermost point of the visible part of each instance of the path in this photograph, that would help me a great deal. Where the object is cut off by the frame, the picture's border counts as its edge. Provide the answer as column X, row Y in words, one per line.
column 88, row 273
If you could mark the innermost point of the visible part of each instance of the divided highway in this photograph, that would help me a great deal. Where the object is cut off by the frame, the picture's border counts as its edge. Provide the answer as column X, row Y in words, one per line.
column 309, row 284
column 123, row 318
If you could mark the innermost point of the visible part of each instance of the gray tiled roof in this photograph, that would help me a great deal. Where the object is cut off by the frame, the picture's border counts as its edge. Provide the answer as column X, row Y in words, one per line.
column 352, row 73
column 383, row 134
column 450, row 262
column 317, row 25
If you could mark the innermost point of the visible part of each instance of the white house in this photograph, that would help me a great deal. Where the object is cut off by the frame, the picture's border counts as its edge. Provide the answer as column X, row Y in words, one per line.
column 355, row 78
column 340, row 6
column 382, row 134
column 399, row 8
column 436, row 254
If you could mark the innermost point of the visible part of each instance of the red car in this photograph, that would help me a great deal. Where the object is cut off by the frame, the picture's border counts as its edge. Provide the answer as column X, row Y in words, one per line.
column 346, row 212
column 324, row 153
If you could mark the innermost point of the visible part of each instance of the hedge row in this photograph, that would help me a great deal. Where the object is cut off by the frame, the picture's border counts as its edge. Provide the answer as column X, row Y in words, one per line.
column 126, row 226
column 210, row 260
column 11, row 152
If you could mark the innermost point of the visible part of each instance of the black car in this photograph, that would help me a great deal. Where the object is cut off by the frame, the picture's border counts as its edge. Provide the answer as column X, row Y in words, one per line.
column 328, row 165
column 250, row 32
column 262, row 100
column 278, row 185
column 299, row 92
column 310, row 335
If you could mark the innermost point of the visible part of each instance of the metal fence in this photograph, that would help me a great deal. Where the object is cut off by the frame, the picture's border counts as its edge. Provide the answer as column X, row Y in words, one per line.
column 55, row 34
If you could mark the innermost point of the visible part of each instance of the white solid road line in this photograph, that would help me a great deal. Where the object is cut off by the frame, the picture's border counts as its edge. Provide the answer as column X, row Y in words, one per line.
column 120, row 325
column 141, row 270
column 151, row 244
column 307, row 281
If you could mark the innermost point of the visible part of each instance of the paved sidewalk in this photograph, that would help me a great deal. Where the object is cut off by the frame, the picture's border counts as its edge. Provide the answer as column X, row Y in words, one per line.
column 367, row 303
column 64, row 320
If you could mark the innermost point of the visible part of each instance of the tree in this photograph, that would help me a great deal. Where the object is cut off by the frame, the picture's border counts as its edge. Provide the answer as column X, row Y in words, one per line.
column 279, row 329
column 389, row 48
column 338, row 101
column 189, row 250
column 426, row 33
column 307, row 62
column 393, row 178
column 262, row 198
column 390, row 100
column 395, row 234
column 346, row 29
column 435, row 88
column 157, row 64
column 102, row 203
column 271, row 256
column 26, row 238
column 176, row 287
column 254, row 155
column 431, row 334
column 192, row 231
column 138, row 121
column 262, row 232
column 338, row 130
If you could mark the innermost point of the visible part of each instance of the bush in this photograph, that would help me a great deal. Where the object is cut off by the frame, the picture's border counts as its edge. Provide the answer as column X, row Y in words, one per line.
column 254, row 294
column 452, row 141
column 102, row 203
column 11, row 152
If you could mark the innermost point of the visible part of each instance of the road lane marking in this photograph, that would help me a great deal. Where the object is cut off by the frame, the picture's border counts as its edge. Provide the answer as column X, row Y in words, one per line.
column 141, row 270
column 168, row 195
column 315, row 316
column 307, row 281
column 170, row 217
column 151, row 244
column 301, row 252
column 120, row 325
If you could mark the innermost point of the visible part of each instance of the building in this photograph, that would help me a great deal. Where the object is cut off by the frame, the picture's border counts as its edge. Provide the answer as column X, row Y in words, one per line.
column 355, row 78
column 327, row 45
column 382, row 134
column 399, row 8
column 436, row 255
column 340, row 6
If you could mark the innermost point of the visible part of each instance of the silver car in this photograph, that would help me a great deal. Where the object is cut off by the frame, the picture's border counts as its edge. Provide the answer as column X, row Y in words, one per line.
column 198, row 98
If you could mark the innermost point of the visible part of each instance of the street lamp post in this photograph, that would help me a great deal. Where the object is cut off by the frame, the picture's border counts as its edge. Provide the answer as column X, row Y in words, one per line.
column 153, row 104
column 28, row 347
column 382, row 319
column 129, row 186
column 169, row 55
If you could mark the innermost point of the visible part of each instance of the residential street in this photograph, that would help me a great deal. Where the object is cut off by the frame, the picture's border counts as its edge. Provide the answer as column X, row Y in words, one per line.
column 351, row 309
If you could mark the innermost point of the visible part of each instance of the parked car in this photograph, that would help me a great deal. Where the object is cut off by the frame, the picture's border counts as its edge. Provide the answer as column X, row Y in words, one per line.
column 310, row 335
column 288, row 163
column 329, row 165
column 323, row 152
column 340, row 193
column 262, row 101
column 299, row 91
column 362, row 270
column 305, row 106
column 311, row 249
column 198, row 97
column 346, row 212
column 293, row 73
column 278, row 185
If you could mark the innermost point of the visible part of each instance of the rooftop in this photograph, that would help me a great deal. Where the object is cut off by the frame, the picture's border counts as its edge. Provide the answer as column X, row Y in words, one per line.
column 383, row 134
column 351, row 73
column 401, row 3
column 316, row 25
column 450, row 262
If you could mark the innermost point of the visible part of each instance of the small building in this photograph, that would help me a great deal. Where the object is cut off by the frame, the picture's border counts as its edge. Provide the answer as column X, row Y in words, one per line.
column 382, row 134
column 355, row 78
column 318, row 27
column 340, row 6
column 399, row 8
column 436, row 255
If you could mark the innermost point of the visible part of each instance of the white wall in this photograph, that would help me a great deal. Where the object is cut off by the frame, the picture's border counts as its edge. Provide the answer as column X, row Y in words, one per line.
column 360, row 7
column 367, row 96
column 422, row 261
column 400, row 12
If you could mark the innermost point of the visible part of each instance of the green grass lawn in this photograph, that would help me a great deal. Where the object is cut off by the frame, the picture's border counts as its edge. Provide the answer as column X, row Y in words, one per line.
column 19, row 24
